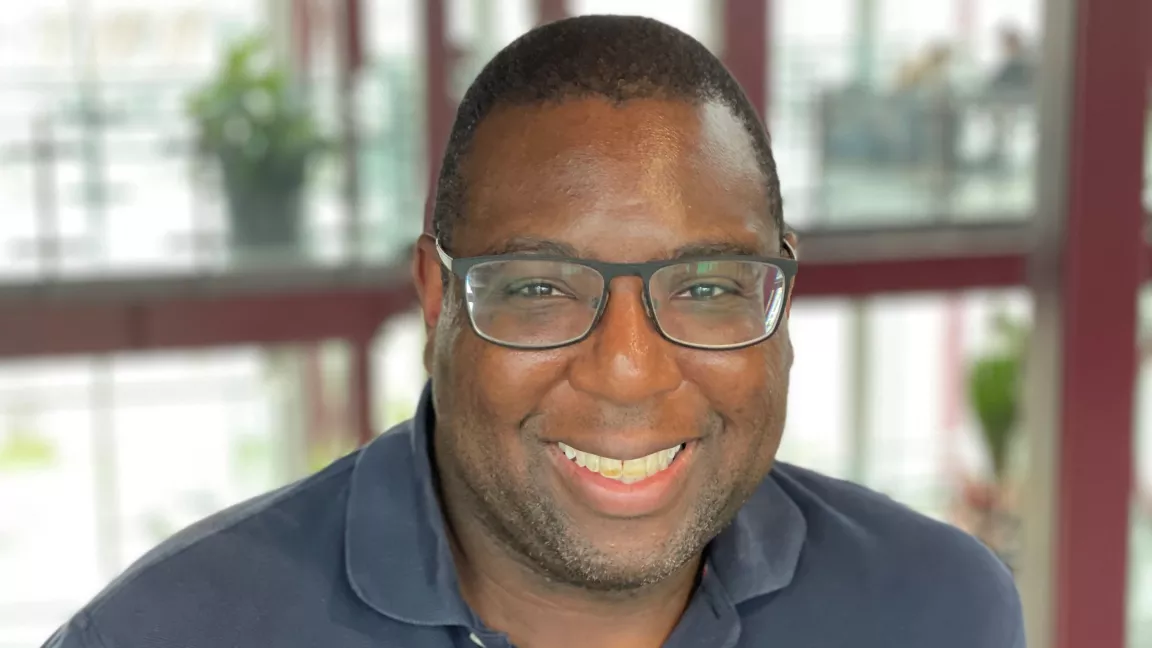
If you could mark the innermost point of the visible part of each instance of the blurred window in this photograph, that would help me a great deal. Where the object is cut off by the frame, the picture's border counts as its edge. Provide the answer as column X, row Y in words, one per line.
column 890, row 113
column 1140, row 549
column 699, row 18
column 102, row 458
column 879, row 392
column 98, row 169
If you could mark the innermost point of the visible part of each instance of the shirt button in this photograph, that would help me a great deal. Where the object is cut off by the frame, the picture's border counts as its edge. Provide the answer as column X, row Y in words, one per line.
column 476, row 640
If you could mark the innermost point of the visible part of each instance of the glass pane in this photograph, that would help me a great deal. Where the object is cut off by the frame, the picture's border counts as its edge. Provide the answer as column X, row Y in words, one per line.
column 148, row 204
column 215, row 412
column 1148, row 155
column 149, row 221
column 36, row 72
column 398, row 368
column 480, row 28
column 98, row 170
column 51, row 563
column 878, row 393
column 1140, row 538
column 897, row 113
column 391, row 120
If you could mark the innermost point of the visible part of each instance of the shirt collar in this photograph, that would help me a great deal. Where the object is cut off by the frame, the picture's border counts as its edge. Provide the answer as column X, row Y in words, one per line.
column 759, row 552
column 398, row 560
column 397, row 555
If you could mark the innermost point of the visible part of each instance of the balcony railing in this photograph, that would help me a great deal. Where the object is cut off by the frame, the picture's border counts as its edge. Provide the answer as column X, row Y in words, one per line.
column 105, row 182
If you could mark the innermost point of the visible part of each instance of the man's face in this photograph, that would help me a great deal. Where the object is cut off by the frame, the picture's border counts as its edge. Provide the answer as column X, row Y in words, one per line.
column 629, row 183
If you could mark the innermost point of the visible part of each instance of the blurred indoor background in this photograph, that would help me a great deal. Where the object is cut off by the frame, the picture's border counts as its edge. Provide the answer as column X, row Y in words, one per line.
column 206, row 210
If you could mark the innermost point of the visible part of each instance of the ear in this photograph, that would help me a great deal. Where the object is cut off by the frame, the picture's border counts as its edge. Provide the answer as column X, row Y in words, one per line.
column 791, row 247
column 426, row 269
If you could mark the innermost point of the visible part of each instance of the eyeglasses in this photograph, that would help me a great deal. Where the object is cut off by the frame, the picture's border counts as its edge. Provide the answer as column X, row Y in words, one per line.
column 528, row 301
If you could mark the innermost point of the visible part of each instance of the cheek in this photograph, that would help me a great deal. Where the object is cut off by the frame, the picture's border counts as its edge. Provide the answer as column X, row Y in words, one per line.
column 747, row 386
column 491, row 383
column 749, row 389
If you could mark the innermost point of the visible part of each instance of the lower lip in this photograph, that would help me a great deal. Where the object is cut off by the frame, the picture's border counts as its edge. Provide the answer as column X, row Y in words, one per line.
column 615, row 498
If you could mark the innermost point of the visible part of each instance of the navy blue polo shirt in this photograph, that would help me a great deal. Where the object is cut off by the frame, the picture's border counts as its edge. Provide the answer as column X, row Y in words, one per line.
column 356, row 556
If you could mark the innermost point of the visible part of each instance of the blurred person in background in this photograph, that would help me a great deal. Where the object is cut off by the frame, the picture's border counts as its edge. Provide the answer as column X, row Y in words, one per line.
column 1017, row 69
column 606, row 298
column 921, row 111
column 927, row 72
column 1009, row 90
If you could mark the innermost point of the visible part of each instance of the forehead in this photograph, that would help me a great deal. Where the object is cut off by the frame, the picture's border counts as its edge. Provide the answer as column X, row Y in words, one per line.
column 649, row 173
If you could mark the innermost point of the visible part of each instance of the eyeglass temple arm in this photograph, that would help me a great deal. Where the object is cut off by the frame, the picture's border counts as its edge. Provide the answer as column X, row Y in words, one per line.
column 787, row 246
column 444, row 258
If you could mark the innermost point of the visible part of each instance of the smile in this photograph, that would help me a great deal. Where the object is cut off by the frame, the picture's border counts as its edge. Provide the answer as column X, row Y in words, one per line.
column 628, row 471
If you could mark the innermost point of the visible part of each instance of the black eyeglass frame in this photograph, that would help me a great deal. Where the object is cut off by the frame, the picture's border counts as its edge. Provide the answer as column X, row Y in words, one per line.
column 609, row 271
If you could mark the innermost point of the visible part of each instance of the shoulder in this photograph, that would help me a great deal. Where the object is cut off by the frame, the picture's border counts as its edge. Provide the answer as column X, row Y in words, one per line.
column 933, row 579
column 847, row 516
column 256, row 525
column 263, row 550
column 268, row 571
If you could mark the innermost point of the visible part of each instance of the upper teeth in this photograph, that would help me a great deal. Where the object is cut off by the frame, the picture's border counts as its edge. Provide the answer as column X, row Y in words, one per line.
column 632, row 470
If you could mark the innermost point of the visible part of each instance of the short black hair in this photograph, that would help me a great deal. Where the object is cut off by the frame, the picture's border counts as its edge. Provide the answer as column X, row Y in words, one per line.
column 614, row 57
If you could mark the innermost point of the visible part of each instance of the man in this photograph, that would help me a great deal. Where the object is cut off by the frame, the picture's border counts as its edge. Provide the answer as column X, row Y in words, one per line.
column 606, row 302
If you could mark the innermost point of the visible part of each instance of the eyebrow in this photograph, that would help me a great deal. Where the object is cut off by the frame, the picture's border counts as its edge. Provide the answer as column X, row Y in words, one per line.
column 548, row 247
column 532, row 245
column 715, row 248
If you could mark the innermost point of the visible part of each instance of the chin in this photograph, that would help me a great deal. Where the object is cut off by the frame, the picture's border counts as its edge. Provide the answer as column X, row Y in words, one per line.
column 624, row 560
column 624, row 573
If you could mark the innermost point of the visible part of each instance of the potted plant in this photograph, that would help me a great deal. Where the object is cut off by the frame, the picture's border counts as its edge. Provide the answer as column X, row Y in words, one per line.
column 994, row 392
column 252, row 124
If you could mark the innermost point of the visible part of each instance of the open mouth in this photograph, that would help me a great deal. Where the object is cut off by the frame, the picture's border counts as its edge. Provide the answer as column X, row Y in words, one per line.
column 627, row 471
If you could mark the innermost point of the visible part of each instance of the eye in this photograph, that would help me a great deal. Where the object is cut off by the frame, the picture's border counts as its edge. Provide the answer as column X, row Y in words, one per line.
column 704, row 292
column 534, row 290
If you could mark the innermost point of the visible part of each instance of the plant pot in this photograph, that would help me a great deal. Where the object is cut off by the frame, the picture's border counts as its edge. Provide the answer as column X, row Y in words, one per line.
column 264, row 222
column 265, row 209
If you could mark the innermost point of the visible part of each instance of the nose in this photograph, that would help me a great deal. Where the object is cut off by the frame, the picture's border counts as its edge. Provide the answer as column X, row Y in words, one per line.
column 625, row 360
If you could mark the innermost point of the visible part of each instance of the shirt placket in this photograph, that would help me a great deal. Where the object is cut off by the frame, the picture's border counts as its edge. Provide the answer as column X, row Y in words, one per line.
column 711, row 618
column 487, row 640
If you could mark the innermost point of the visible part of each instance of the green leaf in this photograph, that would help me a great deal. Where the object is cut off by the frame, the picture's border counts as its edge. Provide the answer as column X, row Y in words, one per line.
column 250, row 119
column 994, row 384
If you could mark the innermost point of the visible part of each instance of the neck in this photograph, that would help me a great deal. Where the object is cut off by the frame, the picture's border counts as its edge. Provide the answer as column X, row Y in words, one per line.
column 513, row 598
